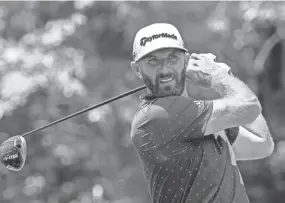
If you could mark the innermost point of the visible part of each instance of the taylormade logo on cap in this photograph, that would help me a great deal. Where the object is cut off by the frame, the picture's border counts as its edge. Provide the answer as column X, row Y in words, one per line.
column 154, row 37
column 144, row 40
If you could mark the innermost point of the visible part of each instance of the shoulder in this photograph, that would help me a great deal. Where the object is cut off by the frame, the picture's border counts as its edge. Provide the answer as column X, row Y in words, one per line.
column 175, row 104
column 160, row 108
column 171, row 108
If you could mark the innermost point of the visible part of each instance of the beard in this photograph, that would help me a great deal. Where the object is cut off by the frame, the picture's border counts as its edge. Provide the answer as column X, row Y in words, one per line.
column 167, row 90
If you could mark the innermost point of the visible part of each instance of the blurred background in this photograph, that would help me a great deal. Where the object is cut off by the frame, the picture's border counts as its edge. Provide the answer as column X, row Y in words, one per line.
column 60, row 57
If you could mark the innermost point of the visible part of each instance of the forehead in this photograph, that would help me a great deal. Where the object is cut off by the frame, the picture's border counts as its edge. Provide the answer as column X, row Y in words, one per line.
column 163, row 52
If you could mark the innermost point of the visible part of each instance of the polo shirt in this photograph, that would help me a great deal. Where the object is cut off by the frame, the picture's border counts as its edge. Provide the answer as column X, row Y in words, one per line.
column 180, row 163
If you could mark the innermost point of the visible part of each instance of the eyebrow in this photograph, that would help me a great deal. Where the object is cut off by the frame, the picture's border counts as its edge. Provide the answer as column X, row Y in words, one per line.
column 177, row 51
column 173, row 52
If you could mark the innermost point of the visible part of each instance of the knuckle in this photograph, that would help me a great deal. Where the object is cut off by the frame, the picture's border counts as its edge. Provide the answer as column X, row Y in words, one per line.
column 209, row 56
column 212, row 55
column 224, row 67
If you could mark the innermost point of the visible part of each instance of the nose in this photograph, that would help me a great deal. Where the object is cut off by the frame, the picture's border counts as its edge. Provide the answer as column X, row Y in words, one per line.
column 164, row 66
column 164, row 72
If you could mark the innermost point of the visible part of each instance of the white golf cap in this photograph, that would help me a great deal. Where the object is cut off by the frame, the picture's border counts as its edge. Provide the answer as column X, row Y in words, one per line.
column 154, row 37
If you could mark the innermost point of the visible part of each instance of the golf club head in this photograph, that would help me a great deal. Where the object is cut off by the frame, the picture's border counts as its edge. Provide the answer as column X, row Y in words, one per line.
column 13, row 153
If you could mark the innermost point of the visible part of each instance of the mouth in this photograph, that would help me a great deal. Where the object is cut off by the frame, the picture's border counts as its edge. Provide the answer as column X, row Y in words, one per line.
column 165, row 80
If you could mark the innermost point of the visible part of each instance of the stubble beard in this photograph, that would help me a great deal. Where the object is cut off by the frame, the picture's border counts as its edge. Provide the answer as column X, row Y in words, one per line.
column 157, row 91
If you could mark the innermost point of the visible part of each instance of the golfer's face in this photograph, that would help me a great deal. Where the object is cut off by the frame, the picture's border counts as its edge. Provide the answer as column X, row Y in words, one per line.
column 163, row 72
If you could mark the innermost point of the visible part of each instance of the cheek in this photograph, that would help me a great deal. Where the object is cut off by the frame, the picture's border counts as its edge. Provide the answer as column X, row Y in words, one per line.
column 181, row 69
column 149, row 73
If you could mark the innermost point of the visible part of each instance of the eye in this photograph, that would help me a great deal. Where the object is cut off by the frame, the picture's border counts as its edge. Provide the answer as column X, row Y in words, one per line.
column 153, row 61
column 172, row 58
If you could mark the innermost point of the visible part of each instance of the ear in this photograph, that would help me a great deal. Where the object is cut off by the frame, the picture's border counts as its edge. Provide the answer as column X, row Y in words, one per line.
column 136, row 69
column 186, row 59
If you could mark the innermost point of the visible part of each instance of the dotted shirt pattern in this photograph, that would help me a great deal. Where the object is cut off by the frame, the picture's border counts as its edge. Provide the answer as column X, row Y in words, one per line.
column 179, row 162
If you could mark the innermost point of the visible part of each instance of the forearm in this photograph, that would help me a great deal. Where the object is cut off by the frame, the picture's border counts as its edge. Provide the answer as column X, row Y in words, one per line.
column 229, row 86
column 259, row 128
column 240, row 101
column 237, row 107
column 254, row 141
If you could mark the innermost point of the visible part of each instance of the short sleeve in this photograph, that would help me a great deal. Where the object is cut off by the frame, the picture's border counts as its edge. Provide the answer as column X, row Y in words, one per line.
column 232, row 134
column 172, row 119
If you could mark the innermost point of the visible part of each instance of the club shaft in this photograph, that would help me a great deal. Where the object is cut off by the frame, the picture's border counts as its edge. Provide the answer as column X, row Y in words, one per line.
column 85, row 110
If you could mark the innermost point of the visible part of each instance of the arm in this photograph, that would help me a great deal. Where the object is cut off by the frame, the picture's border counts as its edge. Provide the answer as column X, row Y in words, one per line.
column 237, row 107
column 237, row 104
column 254, row 141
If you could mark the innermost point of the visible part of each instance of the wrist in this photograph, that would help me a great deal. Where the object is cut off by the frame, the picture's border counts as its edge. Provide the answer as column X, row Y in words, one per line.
column 223, row 84
column 199, row 92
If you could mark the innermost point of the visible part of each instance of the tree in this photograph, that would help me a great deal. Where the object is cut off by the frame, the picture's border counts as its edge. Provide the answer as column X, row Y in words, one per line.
column 61, row 57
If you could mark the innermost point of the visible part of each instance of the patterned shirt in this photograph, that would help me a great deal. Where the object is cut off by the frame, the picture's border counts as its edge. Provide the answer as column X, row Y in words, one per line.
column 181, row 164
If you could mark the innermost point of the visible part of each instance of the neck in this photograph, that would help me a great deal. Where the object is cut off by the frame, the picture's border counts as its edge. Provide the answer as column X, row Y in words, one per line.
column 184, row 94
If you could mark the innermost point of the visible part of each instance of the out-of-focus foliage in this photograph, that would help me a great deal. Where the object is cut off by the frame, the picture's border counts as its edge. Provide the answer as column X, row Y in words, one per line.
column 60, row 57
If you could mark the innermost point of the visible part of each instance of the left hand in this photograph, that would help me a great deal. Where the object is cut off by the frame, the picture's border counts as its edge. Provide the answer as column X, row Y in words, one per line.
column 199, row 77
column 203, row 70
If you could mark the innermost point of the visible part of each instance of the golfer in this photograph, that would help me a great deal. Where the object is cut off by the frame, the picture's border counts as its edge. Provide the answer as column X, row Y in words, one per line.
column 194, row 122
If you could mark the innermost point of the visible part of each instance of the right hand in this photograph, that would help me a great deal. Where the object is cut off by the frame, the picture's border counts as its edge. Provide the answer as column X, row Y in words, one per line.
column 199, row 80
column 202, row 70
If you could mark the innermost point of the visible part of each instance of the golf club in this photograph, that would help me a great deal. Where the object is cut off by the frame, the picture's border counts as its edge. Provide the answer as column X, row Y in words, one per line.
column 13, row 153
column 14, row 150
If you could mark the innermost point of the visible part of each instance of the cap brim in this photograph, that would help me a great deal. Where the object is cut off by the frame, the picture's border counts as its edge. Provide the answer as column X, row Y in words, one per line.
column 158, row 48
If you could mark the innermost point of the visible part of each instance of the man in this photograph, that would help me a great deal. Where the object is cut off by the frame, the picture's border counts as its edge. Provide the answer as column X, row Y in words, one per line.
column 194, row 122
